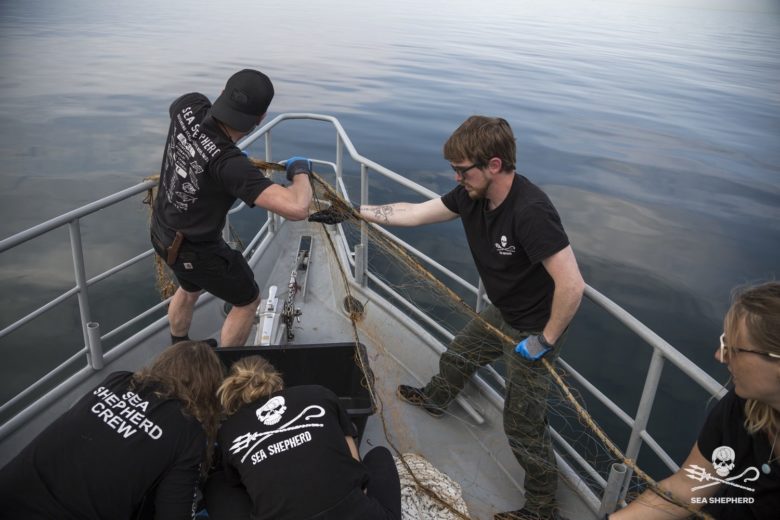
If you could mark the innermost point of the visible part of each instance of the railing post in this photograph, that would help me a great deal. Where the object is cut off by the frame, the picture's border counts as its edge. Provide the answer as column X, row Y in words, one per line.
column 226, row 230
column 268, row 146
column 339, row 159
column 271, row 223
column 360, row 266
column 81, row 277
column 480, row 300
column 609, row 500
column 361, row 250
column 643, row 413
column 95, row 346
column 271, row 216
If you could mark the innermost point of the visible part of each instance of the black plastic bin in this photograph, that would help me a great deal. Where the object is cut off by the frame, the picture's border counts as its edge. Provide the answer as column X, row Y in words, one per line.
column 332, row 365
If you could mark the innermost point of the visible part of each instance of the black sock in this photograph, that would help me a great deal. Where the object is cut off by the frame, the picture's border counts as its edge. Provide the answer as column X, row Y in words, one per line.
column 177, row 339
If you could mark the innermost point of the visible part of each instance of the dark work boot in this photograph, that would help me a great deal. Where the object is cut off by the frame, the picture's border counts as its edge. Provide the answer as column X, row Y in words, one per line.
column 416, row 397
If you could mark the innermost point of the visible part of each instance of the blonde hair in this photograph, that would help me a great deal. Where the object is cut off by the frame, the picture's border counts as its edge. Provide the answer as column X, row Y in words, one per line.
column 250, row 378
column 758, row 307
column 480, row 138
column 190, row 372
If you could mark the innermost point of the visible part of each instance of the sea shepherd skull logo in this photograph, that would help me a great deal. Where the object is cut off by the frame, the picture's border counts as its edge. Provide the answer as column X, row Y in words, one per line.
column 503, row 247
column 723, row 458
column 271, row 412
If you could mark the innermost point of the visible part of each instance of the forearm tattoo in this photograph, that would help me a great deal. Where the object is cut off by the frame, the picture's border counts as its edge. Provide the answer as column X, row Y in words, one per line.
column 383, row 213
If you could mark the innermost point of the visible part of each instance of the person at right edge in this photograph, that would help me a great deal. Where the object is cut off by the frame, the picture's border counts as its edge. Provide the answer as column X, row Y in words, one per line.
column 732, row 471
column 203, row 173
column 532, row 279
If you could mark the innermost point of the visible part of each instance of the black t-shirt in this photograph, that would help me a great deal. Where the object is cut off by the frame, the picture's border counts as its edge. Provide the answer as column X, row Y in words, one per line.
column 289, row 451
column 725, row 427
column 508, row 244
column 202, row 174
column 102, row 457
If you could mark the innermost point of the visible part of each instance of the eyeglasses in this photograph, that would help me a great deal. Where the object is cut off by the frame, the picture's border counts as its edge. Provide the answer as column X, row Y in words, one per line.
column 725, row 349
column 461, row 170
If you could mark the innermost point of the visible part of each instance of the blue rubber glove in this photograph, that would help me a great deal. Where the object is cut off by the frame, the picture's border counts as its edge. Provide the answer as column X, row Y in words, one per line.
column 533, row 347
column 297, row 165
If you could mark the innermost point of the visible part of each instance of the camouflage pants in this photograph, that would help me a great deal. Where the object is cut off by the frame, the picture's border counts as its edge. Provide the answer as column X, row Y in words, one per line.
column 525, row 405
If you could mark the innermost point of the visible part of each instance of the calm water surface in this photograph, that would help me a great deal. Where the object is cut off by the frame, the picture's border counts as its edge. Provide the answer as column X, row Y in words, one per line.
column 654, row 128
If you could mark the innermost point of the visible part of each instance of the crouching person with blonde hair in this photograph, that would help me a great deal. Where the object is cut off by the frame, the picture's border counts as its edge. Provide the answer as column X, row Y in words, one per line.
column 290, row 454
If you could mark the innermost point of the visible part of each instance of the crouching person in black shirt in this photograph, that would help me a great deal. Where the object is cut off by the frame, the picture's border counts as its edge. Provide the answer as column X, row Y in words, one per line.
column 289, row 454
column 137, row 443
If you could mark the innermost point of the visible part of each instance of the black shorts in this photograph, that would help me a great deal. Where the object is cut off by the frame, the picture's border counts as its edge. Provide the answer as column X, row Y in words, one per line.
column 215, row 268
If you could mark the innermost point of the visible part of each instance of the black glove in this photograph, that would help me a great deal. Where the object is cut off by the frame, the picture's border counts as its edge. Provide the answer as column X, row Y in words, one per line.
column 297, row 165
column 329, row 216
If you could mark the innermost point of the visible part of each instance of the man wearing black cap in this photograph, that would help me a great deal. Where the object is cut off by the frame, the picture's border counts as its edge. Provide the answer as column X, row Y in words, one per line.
column 203, row 173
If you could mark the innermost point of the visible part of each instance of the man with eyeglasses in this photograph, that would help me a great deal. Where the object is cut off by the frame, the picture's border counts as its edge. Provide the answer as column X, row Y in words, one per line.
column 203, row 173
column 531, row 277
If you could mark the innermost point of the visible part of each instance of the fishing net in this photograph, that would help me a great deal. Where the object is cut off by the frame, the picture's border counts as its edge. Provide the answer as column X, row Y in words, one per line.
column 164, row 281
column 418, row 505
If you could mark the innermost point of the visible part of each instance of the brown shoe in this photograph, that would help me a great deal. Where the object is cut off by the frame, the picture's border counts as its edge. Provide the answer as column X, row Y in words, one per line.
column 416, row 397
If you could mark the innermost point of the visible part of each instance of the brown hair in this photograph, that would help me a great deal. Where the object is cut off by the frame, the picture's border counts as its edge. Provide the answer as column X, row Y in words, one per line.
column 250, row 378
column 758, row 307
column 481, row 138
column 190, row 372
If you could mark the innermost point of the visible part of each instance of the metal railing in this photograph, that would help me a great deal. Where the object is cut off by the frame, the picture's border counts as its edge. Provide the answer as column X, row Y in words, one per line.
column 92, row 349
column 663, row 352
